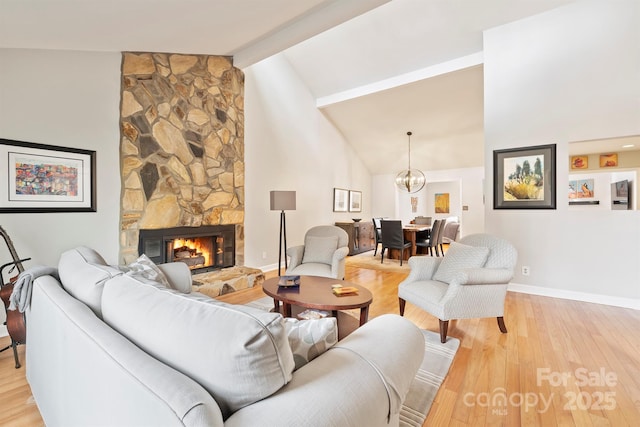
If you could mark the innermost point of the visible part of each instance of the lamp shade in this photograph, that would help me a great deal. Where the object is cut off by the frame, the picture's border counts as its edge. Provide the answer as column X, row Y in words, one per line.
column 283, row 200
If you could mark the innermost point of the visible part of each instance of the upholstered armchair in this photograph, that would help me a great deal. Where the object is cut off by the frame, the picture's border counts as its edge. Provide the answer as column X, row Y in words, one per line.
column 470, row 281
column 323, row 253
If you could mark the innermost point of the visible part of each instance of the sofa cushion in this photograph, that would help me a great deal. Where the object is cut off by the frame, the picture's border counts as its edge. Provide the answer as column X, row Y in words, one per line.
column 459, row 257
column 319, row 249
column 310, row 338
column 83, row 273
column 238, row 354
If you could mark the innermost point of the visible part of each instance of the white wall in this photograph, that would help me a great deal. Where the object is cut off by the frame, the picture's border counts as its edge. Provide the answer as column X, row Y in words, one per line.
column 290, row 145
column 465, row 188
column 570, row 74
column 70, row 99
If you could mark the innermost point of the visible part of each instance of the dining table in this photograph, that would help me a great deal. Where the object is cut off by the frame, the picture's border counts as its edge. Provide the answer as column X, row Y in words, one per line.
column 409, row 231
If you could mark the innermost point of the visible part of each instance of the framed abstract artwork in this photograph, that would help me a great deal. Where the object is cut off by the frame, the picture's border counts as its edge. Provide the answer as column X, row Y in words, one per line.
column 46, row 178
column 525, row 178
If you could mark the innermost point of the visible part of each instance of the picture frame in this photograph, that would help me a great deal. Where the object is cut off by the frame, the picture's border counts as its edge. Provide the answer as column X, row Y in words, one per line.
column 355, row 201
column 609, row 160
column 340, row 200
column 525, row 178
column 441, row 203
column 579, row 162
column 46, row 178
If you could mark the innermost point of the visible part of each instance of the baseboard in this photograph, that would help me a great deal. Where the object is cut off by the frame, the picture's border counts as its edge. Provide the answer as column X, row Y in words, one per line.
column 272, row 267
column 576, row 296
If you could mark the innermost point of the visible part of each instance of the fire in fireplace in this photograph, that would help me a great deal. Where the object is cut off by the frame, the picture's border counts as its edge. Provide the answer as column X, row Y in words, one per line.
column 203, row 248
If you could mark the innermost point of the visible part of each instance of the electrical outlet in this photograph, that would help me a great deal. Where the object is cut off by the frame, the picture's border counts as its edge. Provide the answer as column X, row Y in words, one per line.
column 525, row 270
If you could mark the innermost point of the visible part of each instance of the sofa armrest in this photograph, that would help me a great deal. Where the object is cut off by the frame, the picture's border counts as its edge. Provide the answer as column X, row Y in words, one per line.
column 295, row 255
column 357, row 382
column 178, row 275
column 482, row 276
column 339, row 255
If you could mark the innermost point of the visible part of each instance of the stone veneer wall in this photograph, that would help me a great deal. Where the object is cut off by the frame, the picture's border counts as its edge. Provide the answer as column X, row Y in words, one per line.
column 182, row 145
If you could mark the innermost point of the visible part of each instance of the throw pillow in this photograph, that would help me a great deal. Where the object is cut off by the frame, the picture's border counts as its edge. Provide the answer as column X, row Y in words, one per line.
column 319, row 249
column 459, row 257
column 310, row 338
column 146, row 270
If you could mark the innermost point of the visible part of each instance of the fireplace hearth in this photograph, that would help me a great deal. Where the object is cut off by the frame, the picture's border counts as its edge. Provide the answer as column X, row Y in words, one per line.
column 203, row 249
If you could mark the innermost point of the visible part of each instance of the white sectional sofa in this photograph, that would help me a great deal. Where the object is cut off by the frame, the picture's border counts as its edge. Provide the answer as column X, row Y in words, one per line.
column 106, row 348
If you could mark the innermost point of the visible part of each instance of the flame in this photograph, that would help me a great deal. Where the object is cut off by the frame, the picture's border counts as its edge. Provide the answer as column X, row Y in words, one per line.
column 199, row 246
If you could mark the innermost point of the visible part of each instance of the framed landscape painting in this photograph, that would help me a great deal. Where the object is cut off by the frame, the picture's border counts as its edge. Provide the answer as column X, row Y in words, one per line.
column 46, row 178
column 340, row 200
column 355, row 201
column 525, row 178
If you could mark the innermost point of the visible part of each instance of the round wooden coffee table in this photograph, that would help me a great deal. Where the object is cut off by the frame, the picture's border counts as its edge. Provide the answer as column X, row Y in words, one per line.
column 315, row 292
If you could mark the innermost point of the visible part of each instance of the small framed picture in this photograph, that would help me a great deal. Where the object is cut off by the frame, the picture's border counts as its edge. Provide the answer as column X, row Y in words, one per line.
column 46, row 178
column 525, row 178
column 355, row 201
column 340, row 200
column 579, row 162
column 608, row 160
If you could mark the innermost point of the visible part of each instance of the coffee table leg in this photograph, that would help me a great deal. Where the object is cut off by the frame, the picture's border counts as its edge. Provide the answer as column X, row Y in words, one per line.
column 276, row 306
column 287, row 309
column 364, row 315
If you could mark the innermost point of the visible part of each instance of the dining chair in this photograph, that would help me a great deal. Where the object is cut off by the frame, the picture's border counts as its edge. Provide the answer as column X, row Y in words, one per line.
column 427, row 240
column 437, row 244
column 393, row 238
column 450, row 233
column 377, row 233
column 422, row 220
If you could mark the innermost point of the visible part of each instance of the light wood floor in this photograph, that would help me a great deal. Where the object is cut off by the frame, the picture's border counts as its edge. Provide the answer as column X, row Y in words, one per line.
column 562, row 363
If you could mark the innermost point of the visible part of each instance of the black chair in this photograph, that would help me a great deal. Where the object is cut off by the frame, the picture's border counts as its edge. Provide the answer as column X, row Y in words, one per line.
column 429, row 239
column 393, row 237
column 378, row 233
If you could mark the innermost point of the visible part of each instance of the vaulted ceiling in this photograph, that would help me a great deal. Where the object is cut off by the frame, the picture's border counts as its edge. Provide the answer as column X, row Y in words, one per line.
column 378, row 68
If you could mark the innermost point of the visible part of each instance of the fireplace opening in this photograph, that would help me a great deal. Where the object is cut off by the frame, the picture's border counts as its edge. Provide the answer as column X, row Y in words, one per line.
column 203, row 248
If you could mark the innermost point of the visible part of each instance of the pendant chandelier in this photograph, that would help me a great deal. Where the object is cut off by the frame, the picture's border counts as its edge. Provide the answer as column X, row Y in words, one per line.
column 410, row 180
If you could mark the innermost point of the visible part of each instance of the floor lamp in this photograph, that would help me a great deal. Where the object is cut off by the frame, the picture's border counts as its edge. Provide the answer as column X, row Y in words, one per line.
column 283, row 201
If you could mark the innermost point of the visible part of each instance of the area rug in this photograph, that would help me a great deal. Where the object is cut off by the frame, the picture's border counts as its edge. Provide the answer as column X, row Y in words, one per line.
column 369, row 261
column 424, row 387
column 435, row 366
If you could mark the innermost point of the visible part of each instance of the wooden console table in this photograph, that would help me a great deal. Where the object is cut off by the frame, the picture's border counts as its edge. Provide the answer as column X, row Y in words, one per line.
column 361, row 237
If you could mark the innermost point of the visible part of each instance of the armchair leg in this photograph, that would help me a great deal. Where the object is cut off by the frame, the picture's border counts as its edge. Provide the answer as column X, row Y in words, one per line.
column 402, row 304
column 444, row 325
column 501, row 325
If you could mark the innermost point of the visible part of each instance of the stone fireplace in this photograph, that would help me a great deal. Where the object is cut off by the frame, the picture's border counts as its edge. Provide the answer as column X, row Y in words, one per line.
column 182, row 157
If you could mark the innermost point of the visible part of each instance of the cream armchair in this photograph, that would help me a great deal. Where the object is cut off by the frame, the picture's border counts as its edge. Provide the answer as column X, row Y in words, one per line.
column 470, row 281
column 323, row 253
